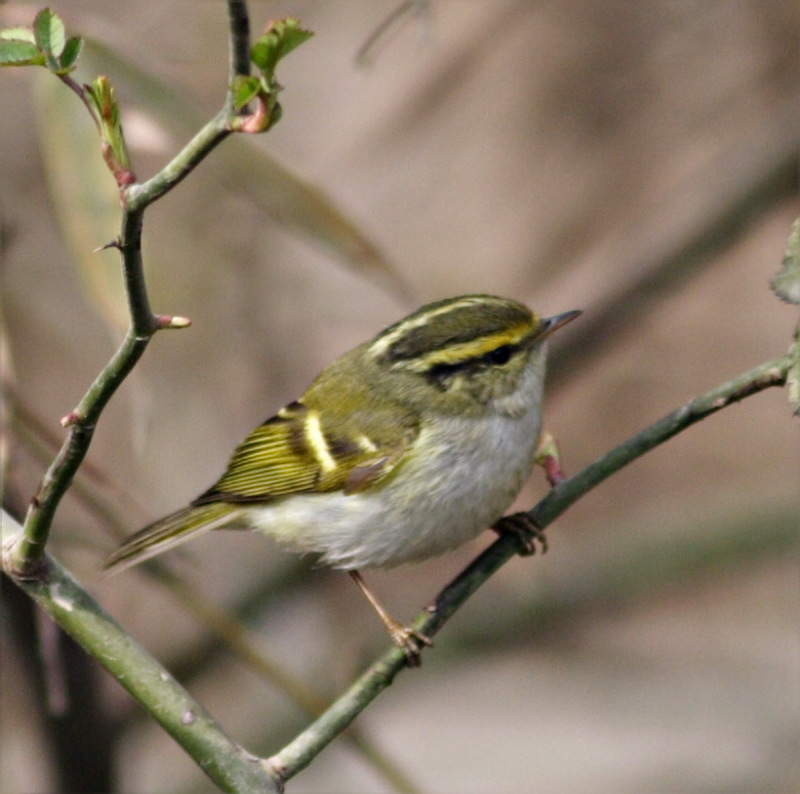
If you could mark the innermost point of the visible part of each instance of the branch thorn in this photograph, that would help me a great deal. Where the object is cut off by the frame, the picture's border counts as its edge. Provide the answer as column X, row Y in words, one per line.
column 112, row 244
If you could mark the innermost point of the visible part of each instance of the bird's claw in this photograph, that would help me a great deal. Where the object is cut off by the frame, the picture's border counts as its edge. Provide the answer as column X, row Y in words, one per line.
column 525, row 529
column 410, row 641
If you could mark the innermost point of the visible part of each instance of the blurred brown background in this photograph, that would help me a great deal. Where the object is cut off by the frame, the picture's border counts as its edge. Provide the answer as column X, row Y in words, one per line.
column 635, row 160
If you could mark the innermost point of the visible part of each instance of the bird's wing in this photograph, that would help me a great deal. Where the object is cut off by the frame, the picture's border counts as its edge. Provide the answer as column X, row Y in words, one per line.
column 303, row 450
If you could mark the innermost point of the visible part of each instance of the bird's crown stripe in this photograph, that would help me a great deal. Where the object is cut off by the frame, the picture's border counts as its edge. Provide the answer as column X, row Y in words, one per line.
column 417, row 320
column 466, row 351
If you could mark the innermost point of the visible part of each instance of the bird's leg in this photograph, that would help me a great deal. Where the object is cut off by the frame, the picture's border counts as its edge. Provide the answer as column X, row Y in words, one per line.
column 411, row 641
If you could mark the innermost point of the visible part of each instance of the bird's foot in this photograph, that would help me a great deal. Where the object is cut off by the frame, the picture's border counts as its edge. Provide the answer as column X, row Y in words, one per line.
column 409, row 640
column 525, row 529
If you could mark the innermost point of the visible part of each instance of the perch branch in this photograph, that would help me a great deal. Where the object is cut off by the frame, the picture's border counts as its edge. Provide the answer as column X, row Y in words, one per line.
column 308, row 744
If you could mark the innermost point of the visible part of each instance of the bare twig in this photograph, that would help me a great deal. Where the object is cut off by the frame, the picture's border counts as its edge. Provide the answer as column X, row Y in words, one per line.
column 239, row 61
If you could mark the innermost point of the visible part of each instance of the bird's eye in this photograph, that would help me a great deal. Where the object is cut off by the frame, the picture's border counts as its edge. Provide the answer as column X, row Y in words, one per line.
column 500, row 355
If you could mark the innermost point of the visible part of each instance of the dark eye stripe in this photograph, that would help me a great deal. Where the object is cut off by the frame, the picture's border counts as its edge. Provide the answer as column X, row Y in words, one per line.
column 442, row 374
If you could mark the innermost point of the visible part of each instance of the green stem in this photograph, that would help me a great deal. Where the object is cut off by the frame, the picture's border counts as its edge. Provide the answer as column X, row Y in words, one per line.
column 307, row 745
column 213, row 133
column 82, row 420
column 27, row 554
column 239, row 45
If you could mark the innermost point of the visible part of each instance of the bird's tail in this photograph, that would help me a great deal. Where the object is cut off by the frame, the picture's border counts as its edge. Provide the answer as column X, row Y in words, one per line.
column 168, row 532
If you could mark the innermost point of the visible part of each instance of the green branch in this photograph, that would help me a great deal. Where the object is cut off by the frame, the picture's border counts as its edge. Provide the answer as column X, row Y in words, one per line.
column 772, row 373
column 28, row 552
column 239, row 46
column 307, row 745
column 139, row 196
column 66, row 601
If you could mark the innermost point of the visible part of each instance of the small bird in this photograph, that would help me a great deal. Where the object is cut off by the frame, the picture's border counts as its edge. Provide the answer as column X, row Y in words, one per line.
column 405, row 447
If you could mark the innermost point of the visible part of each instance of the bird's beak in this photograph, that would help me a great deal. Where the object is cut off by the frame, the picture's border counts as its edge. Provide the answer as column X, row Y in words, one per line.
column 550, row 324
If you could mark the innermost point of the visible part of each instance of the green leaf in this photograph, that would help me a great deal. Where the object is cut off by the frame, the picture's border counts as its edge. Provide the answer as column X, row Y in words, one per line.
column 292, row 36
column 786, row 284
column 280, row 38
column 48, row 30
column 264, row 54
column 19, row 53
column 18, row 34
column 245, row 90
column 72, row 50
column 100, row 94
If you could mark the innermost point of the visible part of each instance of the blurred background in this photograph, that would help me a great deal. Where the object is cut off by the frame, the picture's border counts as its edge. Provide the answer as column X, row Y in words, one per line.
column 634, row 160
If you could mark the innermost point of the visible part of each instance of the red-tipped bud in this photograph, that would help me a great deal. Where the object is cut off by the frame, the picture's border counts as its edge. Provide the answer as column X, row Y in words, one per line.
column 72, row 418
column 170, row 321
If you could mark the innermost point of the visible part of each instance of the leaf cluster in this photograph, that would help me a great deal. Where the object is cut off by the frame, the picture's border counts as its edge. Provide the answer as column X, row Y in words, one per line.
column 45, row 44
column 278, row 40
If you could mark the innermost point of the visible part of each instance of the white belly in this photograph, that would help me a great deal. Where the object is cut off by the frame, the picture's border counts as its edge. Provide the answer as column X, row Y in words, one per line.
column 463, row 487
